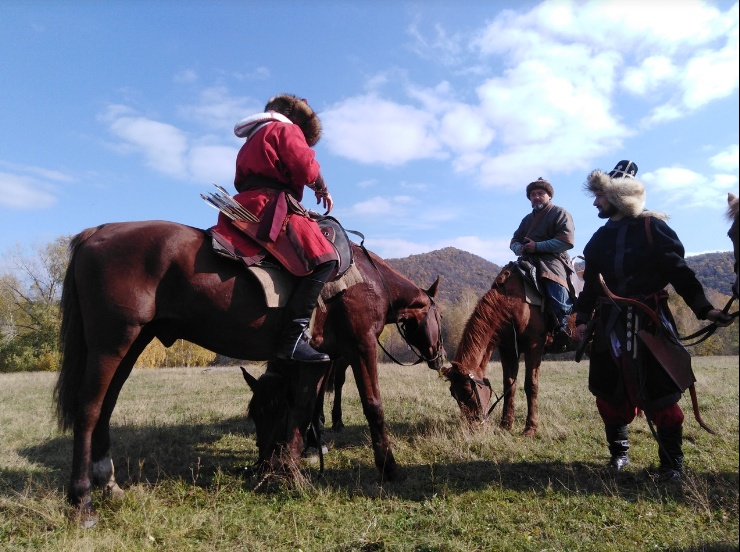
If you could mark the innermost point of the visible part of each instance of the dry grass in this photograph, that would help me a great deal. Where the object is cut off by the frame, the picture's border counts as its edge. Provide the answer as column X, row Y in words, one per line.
column 180, row 440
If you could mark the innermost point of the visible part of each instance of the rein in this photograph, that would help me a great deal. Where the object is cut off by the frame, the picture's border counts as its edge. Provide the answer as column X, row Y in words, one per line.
column 708, row 330
column 433, row 307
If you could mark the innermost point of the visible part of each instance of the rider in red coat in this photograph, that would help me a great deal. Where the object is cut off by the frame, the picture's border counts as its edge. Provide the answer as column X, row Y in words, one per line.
column 273, row 167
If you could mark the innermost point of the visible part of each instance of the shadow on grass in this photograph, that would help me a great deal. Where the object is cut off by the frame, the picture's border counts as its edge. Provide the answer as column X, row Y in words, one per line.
column 197, row 452
column 193, row 452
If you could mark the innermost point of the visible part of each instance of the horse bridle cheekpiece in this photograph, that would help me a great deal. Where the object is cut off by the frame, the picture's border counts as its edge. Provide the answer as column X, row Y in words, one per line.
column 401, row 326
column 476, row 384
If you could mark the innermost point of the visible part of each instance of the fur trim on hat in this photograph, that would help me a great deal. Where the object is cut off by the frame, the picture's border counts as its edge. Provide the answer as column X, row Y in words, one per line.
column 626, row 194
column 298, row 111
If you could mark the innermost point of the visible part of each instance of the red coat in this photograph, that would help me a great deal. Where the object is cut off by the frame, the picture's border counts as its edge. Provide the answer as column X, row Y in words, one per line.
column 277, row 159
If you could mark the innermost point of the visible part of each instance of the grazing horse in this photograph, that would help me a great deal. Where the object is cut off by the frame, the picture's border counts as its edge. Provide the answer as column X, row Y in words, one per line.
column 348, row 332
column 732, row 215
column 502, row 318
column 130, row 282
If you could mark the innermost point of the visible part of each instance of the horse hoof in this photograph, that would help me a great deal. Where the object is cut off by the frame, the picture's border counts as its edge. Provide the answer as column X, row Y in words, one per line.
column 529, row 432
column 87, row 517
column 114, row 492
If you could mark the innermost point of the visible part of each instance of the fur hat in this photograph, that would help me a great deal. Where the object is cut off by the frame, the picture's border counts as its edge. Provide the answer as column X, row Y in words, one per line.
column 540, row 184
column 621, row 189
column 300, row 113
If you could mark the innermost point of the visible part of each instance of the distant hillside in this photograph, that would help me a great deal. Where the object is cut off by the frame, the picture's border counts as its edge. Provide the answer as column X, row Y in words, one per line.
column 714, row 270
column 458, row 270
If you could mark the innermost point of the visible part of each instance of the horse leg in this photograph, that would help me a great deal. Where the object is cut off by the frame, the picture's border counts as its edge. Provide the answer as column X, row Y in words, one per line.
column 532, row 360
column 366, row 376
column 99, row 371
column 510, row 371
column 306, row 390
column 103, row 472
column 340, row 376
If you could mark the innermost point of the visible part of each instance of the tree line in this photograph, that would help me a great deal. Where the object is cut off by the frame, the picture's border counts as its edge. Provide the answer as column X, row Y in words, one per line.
column 31, row 286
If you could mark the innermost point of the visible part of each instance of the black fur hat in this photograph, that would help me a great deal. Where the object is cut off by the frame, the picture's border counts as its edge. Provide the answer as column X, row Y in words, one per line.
column 300, row 113
column 540, row 184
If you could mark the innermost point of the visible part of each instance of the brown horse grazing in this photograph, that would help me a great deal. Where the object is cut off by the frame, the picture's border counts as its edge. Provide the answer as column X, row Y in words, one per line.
column 348, row 332
column 130, row 282
column 502, row 318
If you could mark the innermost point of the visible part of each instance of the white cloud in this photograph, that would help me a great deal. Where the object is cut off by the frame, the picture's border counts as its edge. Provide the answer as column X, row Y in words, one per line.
column 217, row 109
column 170, row 150
column 711, row 75
column 653, row 72
column 212, row 163
column 24, row 192
column 686, row 188
column 369, row 129
column 162, row 145
column 726, row 160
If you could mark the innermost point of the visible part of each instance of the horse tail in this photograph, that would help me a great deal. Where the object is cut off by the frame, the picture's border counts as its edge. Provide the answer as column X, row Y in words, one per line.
column 71, row 340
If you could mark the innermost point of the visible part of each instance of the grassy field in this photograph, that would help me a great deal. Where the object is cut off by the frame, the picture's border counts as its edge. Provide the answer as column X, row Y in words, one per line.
column 180, row 439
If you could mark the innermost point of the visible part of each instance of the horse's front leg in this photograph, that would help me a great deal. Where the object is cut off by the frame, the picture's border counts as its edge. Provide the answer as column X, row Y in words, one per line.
column 532, row 360
column 366, row 376
column 340, row 376
column 306, row 391
column 510, row 372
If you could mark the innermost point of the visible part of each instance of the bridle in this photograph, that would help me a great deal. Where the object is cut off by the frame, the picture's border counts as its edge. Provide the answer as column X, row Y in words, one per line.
column 476, row 384
column 401, row 326
column 407, row 337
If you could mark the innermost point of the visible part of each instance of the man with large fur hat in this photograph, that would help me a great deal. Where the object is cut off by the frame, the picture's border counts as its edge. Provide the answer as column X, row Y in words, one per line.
column 636, row 361
column 543, row 238
column 273, row 167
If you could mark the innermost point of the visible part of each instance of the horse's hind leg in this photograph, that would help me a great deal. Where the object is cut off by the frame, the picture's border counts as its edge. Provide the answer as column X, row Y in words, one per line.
column 103, row 472
column 91, row 398
column 532, row 361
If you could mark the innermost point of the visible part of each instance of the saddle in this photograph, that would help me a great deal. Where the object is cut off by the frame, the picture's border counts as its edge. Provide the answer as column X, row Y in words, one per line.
column 276, row 281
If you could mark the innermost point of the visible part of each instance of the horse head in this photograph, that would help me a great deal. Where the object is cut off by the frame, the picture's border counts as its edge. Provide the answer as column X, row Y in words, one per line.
column 268, row 409
column 732, row 215
column 472, row 393
column 420, row 324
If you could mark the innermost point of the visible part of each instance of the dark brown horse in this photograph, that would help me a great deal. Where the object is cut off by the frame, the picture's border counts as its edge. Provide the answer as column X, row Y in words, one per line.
column 130, row 282
column 502, row 318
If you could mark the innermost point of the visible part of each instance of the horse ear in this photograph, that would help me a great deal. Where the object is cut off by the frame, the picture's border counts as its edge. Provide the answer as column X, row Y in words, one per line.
column 432, row 291
column 249, row 378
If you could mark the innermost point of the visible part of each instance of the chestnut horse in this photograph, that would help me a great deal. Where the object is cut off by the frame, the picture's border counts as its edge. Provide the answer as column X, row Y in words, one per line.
column 502, row 318
column 130, row 282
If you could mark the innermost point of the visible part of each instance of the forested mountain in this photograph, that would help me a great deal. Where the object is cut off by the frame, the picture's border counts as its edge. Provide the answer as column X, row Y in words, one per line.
column 460, row 270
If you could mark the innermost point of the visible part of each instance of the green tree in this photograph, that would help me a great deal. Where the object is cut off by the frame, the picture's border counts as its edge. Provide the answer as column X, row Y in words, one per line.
column 29, row 307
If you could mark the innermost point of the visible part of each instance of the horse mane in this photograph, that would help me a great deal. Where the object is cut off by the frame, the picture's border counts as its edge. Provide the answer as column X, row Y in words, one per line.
column 732, row 208
column 487, row 319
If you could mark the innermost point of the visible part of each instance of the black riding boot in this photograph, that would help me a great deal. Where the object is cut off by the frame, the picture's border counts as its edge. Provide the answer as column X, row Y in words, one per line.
column 619, row 446
column 293, row 344
column 561, row 335
column 670, row 453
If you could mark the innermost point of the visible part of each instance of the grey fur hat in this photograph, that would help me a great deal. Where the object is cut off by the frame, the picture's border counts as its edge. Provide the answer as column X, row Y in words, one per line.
column 621, row 189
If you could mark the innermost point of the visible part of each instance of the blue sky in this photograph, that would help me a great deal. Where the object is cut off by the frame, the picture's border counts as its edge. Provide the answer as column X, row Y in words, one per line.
column 436, row 114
